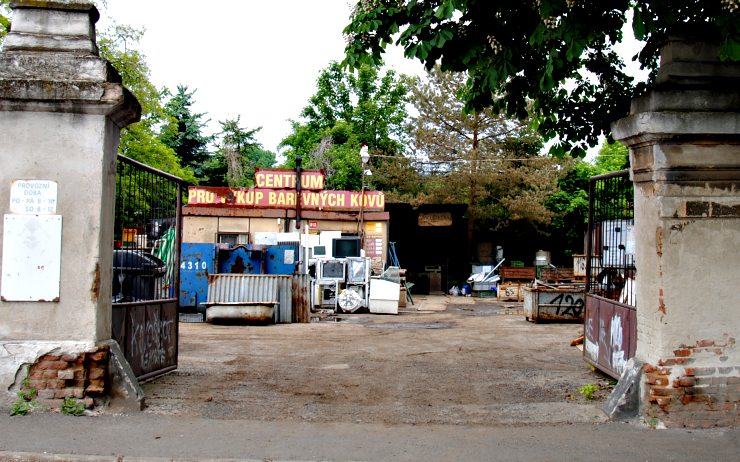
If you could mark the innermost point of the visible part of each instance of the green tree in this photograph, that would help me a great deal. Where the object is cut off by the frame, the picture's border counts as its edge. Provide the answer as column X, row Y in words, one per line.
column 520, row 55
column 4, row 19
column 612, row 157
column 347, row 111
column 183, row 130
column 237, row 157
column 569, row 205
column 139, row 141
column 487, row 161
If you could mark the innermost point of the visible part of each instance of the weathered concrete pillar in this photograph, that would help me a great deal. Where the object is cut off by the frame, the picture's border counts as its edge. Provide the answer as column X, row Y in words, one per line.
column 684, row 140
column 61, row 111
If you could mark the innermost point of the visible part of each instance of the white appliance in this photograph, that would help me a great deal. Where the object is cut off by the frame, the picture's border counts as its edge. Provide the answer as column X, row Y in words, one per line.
column 384, row 296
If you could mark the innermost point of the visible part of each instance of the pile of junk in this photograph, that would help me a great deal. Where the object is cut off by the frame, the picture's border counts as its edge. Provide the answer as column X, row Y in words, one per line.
column 283, row 278
column 548, row 293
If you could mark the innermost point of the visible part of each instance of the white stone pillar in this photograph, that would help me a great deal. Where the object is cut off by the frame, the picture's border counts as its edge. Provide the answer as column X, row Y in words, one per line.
column 684, row 140
column 61, row 111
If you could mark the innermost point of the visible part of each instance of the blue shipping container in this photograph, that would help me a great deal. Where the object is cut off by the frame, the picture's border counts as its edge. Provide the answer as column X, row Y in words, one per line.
column 197, row 261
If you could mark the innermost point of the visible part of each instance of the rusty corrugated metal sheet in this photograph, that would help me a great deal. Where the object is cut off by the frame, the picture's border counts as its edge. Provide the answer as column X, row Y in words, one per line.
column 269, row 288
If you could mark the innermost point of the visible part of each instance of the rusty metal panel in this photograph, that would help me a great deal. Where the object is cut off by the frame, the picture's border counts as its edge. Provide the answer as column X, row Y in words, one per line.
column 591, row 330
column 610, row 337
column 301, row 298
column 564, row 303
column 147, row 333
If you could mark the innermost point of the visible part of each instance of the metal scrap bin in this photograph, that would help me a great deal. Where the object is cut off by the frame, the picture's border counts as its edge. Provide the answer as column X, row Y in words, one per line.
column 554, row 303
column 137, row 276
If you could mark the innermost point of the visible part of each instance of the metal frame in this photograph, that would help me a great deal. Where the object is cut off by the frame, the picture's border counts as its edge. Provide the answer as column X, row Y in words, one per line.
column 610, row 324
column 145, row 322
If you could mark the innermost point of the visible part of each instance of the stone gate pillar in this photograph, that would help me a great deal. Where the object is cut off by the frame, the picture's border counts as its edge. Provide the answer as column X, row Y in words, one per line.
column 61, row 110
column 684, row 141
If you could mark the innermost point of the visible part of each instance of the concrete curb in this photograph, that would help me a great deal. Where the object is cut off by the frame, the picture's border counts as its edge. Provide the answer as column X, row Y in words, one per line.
column 9, row 456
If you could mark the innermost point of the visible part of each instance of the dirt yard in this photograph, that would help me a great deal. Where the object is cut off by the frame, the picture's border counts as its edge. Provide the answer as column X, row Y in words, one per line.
column 445, row 360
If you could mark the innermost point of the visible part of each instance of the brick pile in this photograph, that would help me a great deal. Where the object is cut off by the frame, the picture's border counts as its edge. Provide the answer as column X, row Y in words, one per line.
column 81, row 376
column 694, row 388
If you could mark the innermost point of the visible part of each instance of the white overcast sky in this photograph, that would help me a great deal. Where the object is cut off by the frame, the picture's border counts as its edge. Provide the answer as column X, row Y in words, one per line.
column 256, row 59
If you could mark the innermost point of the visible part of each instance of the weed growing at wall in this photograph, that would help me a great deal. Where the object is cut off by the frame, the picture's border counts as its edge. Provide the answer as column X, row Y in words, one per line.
column 26, row 401
column 71, row 406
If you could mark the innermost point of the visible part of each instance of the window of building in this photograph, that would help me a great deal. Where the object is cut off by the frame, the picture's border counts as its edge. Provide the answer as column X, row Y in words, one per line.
column 233, row 238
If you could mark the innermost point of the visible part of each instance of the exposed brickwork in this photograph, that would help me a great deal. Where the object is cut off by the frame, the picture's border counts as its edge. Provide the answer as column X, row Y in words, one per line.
column 686, row 391
column 82, row 376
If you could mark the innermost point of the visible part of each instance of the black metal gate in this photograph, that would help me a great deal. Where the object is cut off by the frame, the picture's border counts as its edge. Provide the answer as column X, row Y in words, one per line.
column 610, row 323
column 147, row 234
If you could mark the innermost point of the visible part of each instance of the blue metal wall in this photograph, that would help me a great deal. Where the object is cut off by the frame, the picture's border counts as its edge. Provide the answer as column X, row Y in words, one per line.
column 240, row 260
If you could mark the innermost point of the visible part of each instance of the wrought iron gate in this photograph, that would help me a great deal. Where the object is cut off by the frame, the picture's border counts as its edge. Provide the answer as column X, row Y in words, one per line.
column 610, row 324
column 147, row 234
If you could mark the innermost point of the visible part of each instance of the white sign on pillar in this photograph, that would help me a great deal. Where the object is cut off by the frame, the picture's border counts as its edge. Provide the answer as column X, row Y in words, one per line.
column 33, row 197
column 32, row 255
column 32, row 243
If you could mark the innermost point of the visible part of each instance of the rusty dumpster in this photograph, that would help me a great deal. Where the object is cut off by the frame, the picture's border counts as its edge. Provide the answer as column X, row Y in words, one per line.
column 554, row 303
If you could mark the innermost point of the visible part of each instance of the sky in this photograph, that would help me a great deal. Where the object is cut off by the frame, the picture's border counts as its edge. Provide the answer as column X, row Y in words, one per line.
column 254, row 59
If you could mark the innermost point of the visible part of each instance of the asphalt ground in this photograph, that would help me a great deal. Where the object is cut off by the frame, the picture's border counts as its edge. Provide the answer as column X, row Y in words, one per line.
column 513, row 405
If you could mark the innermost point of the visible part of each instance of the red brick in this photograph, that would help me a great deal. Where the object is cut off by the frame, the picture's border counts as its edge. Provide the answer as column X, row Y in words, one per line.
column 686, row 399
column 705, row 343
column 648, row 368
column 56, row 384
column 682, row 353
column 36, row 374
column 51, row 374
column 95, row 389
column 38, row 384
column 655, row 378
column 661, row 400
column 684, row 382
column 53, row 365
column 89, row 403
column 96, row 373
column 689, row 371
column 50, row 358
column 80, row 375
column 662, row 391
column 99, row 356
column 673, row 361
column 731, row 407
column 98, row 382
column 47, row 394
column 69, row 358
